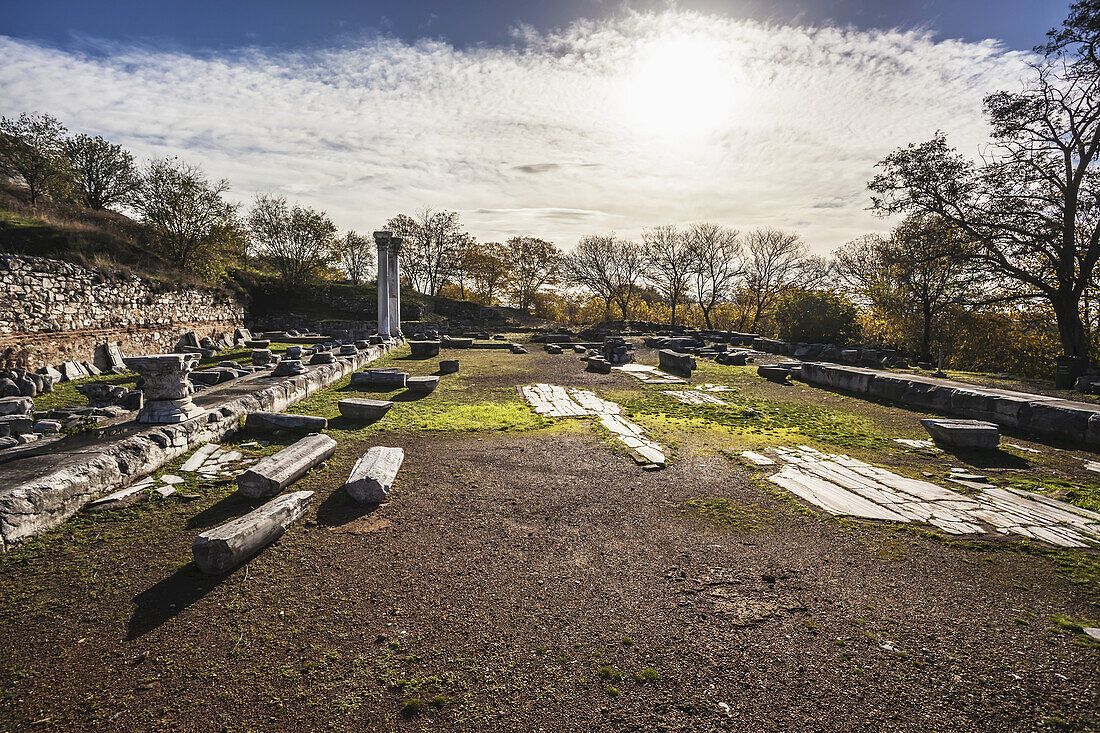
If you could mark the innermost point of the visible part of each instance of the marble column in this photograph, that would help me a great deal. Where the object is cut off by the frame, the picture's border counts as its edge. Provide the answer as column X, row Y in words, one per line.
column 166, row 387
column 395, row 286
column 382, row 239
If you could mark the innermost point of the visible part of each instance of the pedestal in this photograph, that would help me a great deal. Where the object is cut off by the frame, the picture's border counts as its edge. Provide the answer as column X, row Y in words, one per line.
column 166, row 387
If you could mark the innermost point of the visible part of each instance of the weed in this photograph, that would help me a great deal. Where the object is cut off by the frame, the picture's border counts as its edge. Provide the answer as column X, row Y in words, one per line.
column 612, row 691
column 609, row 673
column 646, row 675
column 413, row 707
column 730, row 514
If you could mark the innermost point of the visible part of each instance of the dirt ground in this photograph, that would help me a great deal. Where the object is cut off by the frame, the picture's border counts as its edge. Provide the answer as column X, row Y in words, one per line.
column 527, row 575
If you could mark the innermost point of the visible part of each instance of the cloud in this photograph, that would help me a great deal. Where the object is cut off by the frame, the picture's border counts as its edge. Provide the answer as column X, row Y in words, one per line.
column 677, row 117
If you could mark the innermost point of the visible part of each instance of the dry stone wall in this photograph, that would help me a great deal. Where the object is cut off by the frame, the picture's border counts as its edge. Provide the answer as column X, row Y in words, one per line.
column 53, row 311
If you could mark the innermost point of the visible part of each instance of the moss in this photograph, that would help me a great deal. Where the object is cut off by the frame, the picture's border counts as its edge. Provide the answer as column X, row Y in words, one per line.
column 732, row 515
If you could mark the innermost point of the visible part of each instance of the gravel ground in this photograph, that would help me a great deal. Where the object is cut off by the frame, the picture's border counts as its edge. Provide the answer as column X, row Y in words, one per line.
column 541, row 581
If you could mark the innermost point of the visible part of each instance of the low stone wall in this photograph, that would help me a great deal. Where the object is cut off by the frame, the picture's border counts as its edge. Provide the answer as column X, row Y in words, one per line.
column 53, row 311
column 1075, row 423
column 30, row 507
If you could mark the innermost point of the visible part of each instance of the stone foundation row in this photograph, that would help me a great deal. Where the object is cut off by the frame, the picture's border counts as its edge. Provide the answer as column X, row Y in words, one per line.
column 1050, row 418
column 32, row 507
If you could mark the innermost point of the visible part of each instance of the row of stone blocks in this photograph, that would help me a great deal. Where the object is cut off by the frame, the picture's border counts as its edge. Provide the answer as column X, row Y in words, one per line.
column 1076, row 423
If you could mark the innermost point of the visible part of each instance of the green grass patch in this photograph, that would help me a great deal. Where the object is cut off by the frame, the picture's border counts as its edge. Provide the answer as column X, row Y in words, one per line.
column 732, row 515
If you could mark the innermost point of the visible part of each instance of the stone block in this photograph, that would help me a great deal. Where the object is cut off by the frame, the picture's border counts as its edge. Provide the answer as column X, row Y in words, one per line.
column 970, row 434
column 774, row 373
column 379, row 379
column 448, row 366
column 424, row 349
column 274, row 473
column 364, row 410
column 223, row 548
column 421, row 385
column 322, row 357
column 372, row 475
column 261, row 357
column 288, row 368
column 16, row 424
column 672, row 361
column 270, row 422
column 16, row 406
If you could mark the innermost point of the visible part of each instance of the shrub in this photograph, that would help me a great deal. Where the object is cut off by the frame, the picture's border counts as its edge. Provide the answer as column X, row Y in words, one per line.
column 817, row 316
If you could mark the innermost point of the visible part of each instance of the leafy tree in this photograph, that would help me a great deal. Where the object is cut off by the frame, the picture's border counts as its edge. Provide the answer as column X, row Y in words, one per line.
column 357, row 255
column 716, row 264
column 301, row 241
column 194, row 227
column 1033, row 204
column 816, row 316
column 103, row 172
column 489, row 266
column 668, row 259
column 534, row 264
column 32, row 149
column 920, row 272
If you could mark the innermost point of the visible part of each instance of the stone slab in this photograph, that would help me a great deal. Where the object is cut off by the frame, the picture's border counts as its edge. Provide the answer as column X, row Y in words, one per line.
column 970, row 434
column 223, row 548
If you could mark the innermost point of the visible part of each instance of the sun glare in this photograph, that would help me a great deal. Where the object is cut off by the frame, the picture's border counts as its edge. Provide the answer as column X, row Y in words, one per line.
column 681, row 89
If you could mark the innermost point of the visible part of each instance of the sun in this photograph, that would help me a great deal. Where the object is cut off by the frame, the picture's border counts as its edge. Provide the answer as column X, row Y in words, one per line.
column 682, row 88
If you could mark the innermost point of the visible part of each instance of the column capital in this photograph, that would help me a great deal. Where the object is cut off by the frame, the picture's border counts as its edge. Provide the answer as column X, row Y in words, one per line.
column 383, row 238
column 395, row 243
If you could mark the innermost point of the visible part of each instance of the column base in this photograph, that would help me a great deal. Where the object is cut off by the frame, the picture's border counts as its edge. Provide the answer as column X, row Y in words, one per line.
column 169, row 412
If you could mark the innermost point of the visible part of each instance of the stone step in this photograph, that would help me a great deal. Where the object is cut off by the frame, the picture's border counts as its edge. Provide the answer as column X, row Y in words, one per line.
column 274, row 473
column 372, row 476
column 223, row 548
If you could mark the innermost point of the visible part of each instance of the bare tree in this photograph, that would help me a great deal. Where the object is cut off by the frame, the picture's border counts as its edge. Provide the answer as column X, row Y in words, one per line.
column 716, row 264
column 192, row 223
column 591, row 265
column 433, row 247
column 301, row 241
column 668, row 259
column 103, row 172
column 357, row 256
column 777, row 261
column 629, row 267
column 32, row 149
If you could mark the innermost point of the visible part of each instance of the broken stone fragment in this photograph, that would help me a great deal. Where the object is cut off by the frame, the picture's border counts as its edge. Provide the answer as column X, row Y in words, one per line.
column 223, row 548
column 448, row 366
column 675, row 361
column 372, row 476
column 288, row 368
column 355, row 408
column 269, row 422
column 274, row 473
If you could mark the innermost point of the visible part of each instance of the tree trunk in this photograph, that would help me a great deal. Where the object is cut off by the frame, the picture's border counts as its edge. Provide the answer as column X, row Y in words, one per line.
column 1071, row 331
column 673, row 318
column 706, row 315
column 926, row 334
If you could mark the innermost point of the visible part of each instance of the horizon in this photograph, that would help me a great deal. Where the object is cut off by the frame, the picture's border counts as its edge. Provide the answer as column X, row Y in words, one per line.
column 597, row 123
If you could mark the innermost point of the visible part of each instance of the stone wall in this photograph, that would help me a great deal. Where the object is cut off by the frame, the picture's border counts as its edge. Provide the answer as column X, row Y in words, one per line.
column 53, row 311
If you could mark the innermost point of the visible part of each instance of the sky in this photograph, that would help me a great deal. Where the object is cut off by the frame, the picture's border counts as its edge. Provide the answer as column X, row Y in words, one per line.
column 553, row 120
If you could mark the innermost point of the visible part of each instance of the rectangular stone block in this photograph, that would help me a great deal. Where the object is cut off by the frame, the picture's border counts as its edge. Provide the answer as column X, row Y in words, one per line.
column 270, row 422
column 274, row 473
column 372, row 476
column 223, row 548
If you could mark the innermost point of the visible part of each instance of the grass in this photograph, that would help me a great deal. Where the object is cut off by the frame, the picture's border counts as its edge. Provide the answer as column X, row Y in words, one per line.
column 461, row 403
